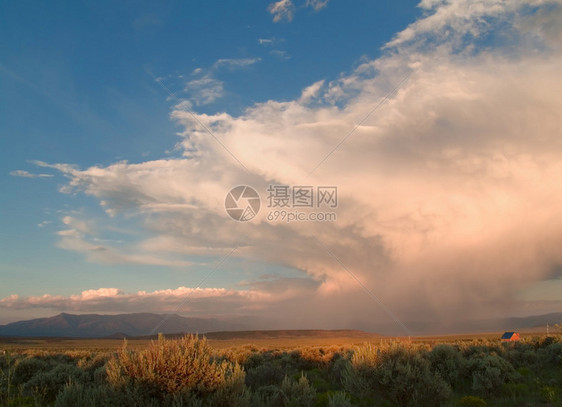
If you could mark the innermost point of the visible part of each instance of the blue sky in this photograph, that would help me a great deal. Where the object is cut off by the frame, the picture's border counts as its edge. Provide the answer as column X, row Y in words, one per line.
column 87, row 73
column 99, row 146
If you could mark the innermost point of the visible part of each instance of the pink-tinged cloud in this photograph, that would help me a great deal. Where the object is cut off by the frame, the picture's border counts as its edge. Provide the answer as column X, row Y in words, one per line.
column 181, row 299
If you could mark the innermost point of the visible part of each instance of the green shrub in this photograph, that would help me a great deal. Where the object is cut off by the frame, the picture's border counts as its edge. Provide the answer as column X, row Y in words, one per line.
column 339, row 399
column 6, row 361
column 402, row 376
column 49, row 383
column 267, row 396
column 546, row 341
column 73, row 395
column 515, row 390
column 297, row 393
column 256, row 359
column 524, row 371
column 550, row 354
column 11, row 395
column 448, row 362
column 490, row 372
column 549, row 394
column 405, row 377
column 472, row 401
column 319, row 379
column 337, row 367
column 522, row 354
column 359, row 375
column 93, row 363
column 233, row 392
column 26, row 368
column 291, row 393
column 264, row 375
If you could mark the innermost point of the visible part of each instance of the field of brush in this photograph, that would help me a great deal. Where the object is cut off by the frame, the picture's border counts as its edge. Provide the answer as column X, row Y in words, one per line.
column 282, row 368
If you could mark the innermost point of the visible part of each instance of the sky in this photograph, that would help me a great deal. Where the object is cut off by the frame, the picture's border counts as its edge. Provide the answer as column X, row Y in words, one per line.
column 435, row 125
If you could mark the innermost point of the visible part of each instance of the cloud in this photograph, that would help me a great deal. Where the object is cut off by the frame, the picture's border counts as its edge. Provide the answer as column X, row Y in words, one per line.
column 265, row 41
column 282, row 9
column 235, row 63
column 195, row 301
column 105, row 253
column 543, row 25
column 316, row 4
column 454, row 20
column 270, row 42
column 204, row 90
column 311, row 92
column 285, row 9
column 85, row 237
column 26, row 174
column 283, row 55
column 449, row 189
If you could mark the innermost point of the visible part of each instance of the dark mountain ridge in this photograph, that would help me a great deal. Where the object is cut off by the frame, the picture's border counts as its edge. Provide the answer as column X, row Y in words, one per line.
column 99, row 326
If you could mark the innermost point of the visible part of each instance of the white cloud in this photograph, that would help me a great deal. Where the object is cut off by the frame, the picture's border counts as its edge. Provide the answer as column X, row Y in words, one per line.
column 96, row 294
column 311, row 92
column 204, row 90
column 77, row 224
column 454, row 20
column 26, row 174
column 235, row 63
column 196, row 301
column 265, row 41
column 316, row 4
column 285, row 9
column 449, row 191
column 282, row 9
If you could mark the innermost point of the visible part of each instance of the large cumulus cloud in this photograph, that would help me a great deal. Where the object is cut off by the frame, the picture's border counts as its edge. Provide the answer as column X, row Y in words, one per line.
column 448, row 174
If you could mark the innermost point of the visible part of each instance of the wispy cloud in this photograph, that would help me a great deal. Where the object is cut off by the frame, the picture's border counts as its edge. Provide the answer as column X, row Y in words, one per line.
column 316, row 4
column 285, row 9
column 204, row 90
column 204, row 87
column 26, row 174
column 265, row 41
column 283, row 55
column 455, row 20
column 235, row 63
column 282, row 9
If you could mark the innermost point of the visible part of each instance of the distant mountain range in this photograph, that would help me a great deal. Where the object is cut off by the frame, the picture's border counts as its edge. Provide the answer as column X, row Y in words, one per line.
column 144, row 324
column 138, row 324
column 535, row 323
